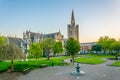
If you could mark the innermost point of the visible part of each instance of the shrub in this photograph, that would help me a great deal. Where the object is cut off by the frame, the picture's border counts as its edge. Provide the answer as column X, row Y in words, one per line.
column 4, row 66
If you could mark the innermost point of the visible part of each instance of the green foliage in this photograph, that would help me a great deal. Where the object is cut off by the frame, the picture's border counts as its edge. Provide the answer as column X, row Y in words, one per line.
column 57, row 48
column 32, row 64
column 105, row 42
column 115, row 46
column 47, row 46
column 3, row 45
column 90, row 60
column 96, row 47
column 13, row 52
column 2, row 40
column 72, row 46
column 93, row 58
column 35, row 50
column 117, row 63
column 4, row 66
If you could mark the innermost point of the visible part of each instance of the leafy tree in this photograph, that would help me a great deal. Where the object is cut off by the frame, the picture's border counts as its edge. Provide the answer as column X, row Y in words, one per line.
column 115, row 46
column 13, row 52
column 72, row 47
column 2, row 40
column 105, row 42
column 3, row 45
column 36, row 50
column 47, row 46
column 57, row 48
column 96, row 48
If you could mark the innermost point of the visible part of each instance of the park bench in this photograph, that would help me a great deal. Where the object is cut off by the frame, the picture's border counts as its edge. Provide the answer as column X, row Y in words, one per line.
column 43, row 65
column 27, row 70
column 62, row 63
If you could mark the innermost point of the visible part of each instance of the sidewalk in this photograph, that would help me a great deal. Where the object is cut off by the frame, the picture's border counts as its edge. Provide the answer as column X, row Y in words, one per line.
column 93, row 72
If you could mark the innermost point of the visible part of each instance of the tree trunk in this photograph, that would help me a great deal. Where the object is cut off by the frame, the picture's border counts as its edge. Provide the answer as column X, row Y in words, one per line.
column 48, row 57
column 116, row 56
column 12, row 65
column 44, row 53
column 72, row 58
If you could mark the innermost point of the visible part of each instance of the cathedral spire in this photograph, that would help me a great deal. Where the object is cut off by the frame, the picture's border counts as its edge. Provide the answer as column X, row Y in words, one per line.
column 72, row 18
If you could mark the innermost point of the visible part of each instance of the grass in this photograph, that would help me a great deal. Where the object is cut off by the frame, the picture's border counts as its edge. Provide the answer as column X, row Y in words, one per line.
column 56, row 61
column 32, row 63
column 117, row 63
column 92, row 58
column 4, row 66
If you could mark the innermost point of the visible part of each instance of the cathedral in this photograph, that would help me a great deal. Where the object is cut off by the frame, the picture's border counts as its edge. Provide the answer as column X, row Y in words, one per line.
column 31, row 37
column 73, row 29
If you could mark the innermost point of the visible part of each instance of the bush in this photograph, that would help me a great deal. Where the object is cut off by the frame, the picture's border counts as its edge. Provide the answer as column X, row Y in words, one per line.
column 4, row 66
column 20, row 66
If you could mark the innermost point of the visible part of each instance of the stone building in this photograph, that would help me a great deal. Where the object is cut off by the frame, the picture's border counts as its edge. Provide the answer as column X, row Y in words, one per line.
column 56, row 36
column 31, row 37
column 86, row 46
column 73, row 29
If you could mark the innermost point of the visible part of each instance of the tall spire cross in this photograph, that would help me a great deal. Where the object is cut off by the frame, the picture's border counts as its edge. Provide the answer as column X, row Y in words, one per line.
column 72, row 18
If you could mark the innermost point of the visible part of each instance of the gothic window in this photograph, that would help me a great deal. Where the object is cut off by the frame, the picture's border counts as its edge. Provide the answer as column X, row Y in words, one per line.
column 71, row 32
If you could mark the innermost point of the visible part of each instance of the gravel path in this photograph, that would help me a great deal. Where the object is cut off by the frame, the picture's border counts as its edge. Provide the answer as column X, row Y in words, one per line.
column 93, row 72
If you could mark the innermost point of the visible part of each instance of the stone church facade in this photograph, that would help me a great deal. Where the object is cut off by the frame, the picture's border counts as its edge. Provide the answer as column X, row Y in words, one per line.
column 73, row 29
column 31, row 37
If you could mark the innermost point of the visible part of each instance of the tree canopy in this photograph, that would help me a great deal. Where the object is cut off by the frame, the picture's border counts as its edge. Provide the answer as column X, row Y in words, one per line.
column 72, row 47
column 115, row 46
column 13, row 52
column 35, row 50
column 47, row 46
column 2, row 47
column 2, row 40
column 57, row 48
column 105, row 42
column 96, row 48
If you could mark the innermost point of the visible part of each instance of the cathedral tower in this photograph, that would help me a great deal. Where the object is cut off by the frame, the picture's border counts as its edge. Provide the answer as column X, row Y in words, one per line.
column 73, row 29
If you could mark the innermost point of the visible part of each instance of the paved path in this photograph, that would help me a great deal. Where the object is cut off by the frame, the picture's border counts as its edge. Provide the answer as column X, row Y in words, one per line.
column 93, row 72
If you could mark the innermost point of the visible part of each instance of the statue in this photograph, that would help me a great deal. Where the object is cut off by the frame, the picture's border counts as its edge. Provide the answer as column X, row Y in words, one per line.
column 78, row 72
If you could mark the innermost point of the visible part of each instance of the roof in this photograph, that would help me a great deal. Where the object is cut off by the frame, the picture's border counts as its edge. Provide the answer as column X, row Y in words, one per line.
column 51, row 34
column 88, row 43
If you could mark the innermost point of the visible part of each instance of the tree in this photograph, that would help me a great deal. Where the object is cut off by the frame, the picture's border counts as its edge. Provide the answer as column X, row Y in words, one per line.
column 115, row 46
column 13, row 52
column 96, row 48
column 2, row 47
column 2, row 40
column 57, row 48
column 105, row 42
column 47, row 46
column 72, row 47
column 35, row 50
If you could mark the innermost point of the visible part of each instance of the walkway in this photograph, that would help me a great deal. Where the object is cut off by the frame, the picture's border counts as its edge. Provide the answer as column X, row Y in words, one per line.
column 93, row 72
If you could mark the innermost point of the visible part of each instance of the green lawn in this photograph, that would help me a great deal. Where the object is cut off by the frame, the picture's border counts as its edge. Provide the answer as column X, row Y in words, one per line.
column 4, row 66
column 32, row 63
column 56, row 61
column 92, row 58
column 117, row 63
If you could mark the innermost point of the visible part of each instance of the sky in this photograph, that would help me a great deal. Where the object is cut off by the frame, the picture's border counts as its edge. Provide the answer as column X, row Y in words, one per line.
column 95, row 17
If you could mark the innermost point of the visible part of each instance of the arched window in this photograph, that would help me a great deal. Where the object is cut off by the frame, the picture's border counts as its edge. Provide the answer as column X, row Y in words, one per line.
column 71, row 32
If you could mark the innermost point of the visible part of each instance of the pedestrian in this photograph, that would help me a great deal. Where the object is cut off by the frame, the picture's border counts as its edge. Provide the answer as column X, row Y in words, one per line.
column 71, row 60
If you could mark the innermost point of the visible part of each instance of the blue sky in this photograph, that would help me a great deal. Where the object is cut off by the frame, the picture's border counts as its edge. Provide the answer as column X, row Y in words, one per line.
column 95, row 17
